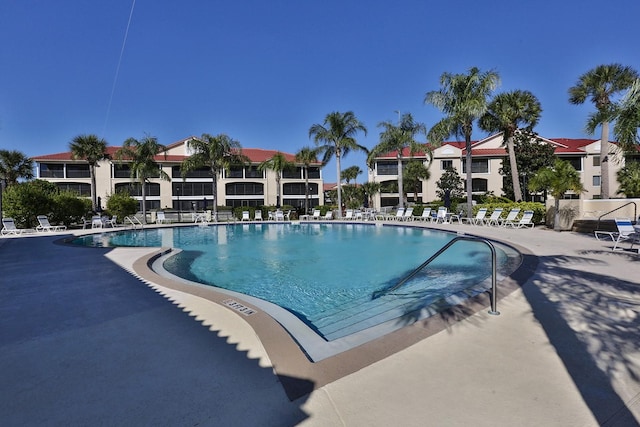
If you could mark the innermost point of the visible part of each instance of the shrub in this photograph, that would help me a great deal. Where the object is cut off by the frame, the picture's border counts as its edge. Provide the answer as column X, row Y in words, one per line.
column 26, row 200
column 121, row 204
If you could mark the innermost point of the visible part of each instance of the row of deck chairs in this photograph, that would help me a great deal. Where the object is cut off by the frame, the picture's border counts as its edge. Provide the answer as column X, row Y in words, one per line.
column 9, row 226
column 495, row 219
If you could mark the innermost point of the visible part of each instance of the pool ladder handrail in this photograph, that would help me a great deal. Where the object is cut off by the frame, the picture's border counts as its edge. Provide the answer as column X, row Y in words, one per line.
column 133, row 221
column 494, row 293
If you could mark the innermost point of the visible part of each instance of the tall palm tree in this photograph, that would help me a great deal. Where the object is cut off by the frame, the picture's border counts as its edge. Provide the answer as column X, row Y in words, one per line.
column 416, row 173
column 13, row 166
column 141, row 156
column 464, row 99
column 600, row 85
column 370, row 189
column 628, row 119
column 92, row 149
column 397, row 138
column 507, row 113
column 337, row 137
column 557, row 180
column 277, row 163
column 351, row 173
column 307, row 156
column 217, row 153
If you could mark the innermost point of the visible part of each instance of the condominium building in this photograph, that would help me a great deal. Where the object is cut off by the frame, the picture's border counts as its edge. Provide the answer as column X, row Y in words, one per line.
column 487, row 157
column 241, row 185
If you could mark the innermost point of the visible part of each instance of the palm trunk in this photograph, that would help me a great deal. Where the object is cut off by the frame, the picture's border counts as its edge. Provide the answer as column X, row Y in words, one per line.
column 604, row 161
column 277, row 190
column 400, row 186
column 469, row 176
column 515, row 178
column 215, row 195
column 339, row 175
column 556, row 215
column 306, row 191
column 144, row 202
column 94, row 199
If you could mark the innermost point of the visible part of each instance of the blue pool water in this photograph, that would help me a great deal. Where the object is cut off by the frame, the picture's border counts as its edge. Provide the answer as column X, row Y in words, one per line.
column 326, row 274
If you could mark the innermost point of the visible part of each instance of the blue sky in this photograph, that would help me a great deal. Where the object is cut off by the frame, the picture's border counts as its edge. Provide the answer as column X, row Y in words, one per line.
column 263, row 72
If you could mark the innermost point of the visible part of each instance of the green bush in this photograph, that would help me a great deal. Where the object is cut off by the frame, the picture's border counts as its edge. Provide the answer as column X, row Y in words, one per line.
column 68, row 208
column 26, row 200
column 121, row 204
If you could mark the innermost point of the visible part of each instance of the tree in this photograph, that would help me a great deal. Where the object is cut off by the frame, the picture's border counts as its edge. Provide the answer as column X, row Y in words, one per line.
column 532, row 156
column 277, row 163
column 351, row 173
column 337, row 137
column 557, row 180
column 628, row 119
column 398, row 138
column 307, row 156
column 13, row 166
column 415, row 173
column 141, row 155
column 507, row 113
column 463, row 98
column 370, row 188
column 93, row 150
column 629, row 179
column 600, row 85
column 217, row 153
column 452, row 182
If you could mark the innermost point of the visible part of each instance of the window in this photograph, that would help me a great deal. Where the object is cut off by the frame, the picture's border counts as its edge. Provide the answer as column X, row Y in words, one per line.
column 51, row 170
column 198, row 173
column 192, row 189
column 446, row 164
column 387, row 168
column 78, row 171
column 253, row 172
column 244, row 202
column 478, row 185
column 477, row 165
column 244, row 189
column 576, row 162
column 81, row 189
column 121, row 171
column 596, row 180
column 299, row 203
column 295, row 188
column 596, row 161
column 235, row 172
column 293, row 173
column 314, row 172
column 389, row 187
column 134, row 189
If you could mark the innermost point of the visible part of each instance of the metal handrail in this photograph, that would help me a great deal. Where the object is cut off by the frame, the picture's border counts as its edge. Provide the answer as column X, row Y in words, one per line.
column 635, row 212
column 494, row 290
column 134, row 221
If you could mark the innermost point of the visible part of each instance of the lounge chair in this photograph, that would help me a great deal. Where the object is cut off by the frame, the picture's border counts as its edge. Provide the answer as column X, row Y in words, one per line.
column 279, row 215
column 46, row 226
column 494, row 219
column 476, row 220
column 316, row 214
column 160, row 218
column 525, row 221
column 9, row 228
column 328, row 216
column 408, row 215
column 441, row 215
column 258, row 215
column 511, row 217
column 348, row 216
column 399, row 215
column 426, row 215
column 626, row 231
column 97, row 222
column 113, row 222
column 245, row 216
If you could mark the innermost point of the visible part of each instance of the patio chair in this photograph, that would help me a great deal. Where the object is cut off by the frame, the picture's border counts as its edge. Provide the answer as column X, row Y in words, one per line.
column 408, row 215
column 399, row 215
column 245, row 216
column 348, row 215
column 46, row 226
column 626, row 231
column 258, row 215
column 476, row 220
column 279, row 215
column 441, row 215
column 328, row 216
column 316, row 214
column 160, row 218
column 524, row 222
column 96, row 221
column 9, row 228
column 511, row 217
column 494, row 219
column 113, row 222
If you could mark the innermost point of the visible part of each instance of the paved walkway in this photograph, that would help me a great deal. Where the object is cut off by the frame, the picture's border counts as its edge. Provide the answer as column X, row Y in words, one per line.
column 83, row 342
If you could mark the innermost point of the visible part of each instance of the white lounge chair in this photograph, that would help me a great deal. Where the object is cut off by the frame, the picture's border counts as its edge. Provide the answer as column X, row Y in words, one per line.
column 408, row 215
column 9, row 228
column 494, row 219
column 441, row 215
column 626, row 231
column 258, row 215
column 348, row 215
column 478, row 219
column 525, row 221
column 511, row 217
column 113, row 222
column 245, row 216
column 399, row 215
column 160, row 218
column 279, row 215
column 97, row 222
column 316, row 214
column 426, row 215
column 46, row 226
column 328, row 216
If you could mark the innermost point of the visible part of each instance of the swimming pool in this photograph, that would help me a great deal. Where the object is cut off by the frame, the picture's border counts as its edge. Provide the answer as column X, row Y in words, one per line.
column 327, row 274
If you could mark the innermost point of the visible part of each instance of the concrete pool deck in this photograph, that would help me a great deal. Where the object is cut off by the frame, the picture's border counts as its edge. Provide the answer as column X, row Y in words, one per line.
column 86, row 343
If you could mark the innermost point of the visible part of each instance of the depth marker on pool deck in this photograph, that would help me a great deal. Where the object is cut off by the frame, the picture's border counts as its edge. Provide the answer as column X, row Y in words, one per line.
column 235, row 305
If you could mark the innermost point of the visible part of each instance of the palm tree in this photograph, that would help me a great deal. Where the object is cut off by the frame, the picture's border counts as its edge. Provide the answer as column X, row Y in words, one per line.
column 307, row 156
column 628, row 119
column 93, row 150
column 463, row 98
column 600, row 84
column 338, row 137
column 141, row 155
column 507, row 113
column 416, row 173
column 629, row 179
column 351, row 174
column 397, row 138
column 557, row 180
column 217, row 153
column 370, row 189
column 13, row 166
column 277, row 163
